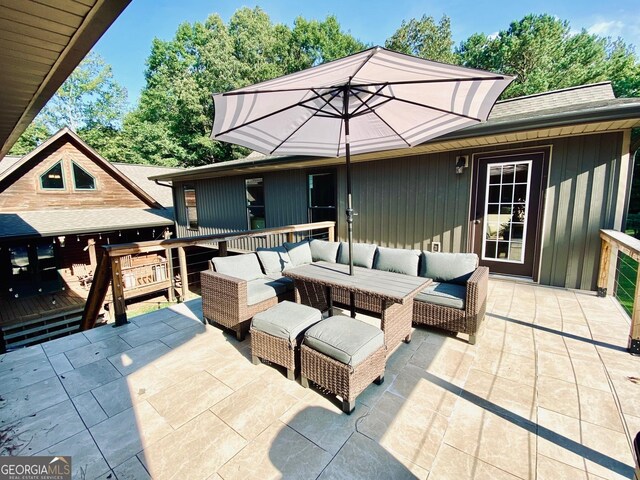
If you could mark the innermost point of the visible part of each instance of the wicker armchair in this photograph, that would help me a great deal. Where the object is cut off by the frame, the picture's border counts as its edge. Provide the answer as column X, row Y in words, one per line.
column 224, row 301
column 467, row 320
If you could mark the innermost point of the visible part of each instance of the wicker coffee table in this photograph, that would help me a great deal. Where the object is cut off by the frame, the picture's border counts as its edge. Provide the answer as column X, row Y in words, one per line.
column 388, row 294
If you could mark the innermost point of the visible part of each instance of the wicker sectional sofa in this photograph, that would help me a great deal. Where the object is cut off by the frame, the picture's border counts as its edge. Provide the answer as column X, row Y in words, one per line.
column 455, row 301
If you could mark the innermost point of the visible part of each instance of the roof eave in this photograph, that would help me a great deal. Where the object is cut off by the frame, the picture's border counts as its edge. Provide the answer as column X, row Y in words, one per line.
column 624, row 111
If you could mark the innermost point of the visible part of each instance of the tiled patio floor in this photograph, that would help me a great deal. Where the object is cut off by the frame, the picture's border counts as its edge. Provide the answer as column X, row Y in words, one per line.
column 548, row 392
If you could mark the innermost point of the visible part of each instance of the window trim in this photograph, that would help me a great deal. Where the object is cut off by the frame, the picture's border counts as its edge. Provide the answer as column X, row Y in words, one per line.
column 247, row 207
column 62, row 176
column 333, row 172
column 73, row 175
column 185, row 187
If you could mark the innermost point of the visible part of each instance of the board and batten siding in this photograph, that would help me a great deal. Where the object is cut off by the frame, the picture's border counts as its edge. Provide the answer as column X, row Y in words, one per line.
column 412, row 201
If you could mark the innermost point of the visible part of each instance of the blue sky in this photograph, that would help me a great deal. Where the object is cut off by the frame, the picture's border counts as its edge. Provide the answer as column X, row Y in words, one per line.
column 126, row 45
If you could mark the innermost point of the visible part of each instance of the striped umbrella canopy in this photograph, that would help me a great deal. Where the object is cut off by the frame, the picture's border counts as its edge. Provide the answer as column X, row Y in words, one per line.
column 370, row 101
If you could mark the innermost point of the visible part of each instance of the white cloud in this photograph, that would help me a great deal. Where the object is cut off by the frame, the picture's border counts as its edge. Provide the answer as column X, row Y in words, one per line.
column 611, row 28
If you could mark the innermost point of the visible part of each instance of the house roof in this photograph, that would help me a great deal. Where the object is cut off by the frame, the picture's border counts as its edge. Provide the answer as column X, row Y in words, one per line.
column 42, row 223
column 7, row 175
column 585, row 104
column 41, row 43
column 140, row 174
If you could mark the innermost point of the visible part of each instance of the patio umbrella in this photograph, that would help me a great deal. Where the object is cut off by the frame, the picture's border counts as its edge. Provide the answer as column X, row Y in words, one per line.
column 370, row 101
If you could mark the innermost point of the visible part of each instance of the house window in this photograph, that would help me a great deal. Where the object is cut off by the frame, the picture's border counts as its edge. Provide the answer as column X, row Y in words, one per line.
column 255, row 203
column 52, row 179
column 82, row 180
column 322, row 197
column 191, row 208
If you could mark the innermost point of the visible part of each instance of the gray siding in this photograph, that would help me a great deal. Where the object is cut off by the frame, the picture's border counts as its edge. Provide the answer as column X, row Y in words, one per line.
column 410, row 202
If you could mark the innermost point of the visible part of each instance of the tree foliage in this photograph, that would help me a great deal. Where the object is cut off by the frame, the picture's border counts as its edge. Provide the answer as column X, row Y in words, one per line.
column 544, row 54
column 424, row 38
column 174, row 119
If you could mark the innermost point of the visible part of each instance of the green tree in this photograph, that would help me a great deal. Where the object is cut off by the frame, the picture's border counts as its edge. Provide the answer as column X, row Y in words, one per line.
column 176, row 108
column 424, row 38
column 545, row 54
column 34, row 135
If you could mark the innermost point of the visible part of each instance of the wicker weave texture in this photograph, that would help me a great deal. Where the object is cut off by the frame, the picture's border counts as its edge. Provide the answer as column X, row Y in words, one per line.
column 338, row 378
column 224, row 300
column 273, row 349
column 455, row 320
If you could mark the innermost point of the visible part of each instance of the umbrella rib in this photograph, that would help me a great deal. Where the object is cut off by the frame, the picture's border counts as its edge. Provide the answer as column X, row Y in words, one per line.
column 431, row 107
column 297, row 104
column 318, row 110
column 371, row 96
column 378, row 115
column 436, row 80
column 334, row 94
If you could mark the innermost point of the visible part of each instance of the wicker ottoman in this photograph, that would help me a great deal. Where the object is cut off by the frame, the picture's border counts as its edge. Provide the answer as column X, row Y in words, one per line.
column 343, row 355
column 277, row 332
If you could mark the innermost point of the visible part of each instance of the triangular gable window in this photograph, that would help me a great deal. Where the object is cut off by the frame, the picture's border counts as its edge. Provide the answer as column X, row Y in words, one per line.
column 52, row 179
column 82, row 179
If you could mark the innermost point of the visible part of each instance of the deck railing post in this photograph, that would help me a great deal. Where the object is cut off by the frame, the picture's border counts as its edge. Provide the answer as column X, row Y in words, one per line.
column 290, row 237
column 119, row 305
column 331, row 233
column 222, row 249
column 171, row 292
column 634, row 333
column 603, row 274
column 182, row 260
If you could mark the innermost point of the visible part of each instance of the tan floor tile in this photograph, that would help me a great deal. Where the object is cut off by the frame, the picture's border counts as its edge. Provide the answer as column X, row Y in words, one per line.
column 127, row 433
column 32, row 434
column 627, row 388
column 96, row 351
column 236, row 370
column 599, row 407
column 185, row 400
column 132, row 469
column 506, row 365
column 146, row 334
column 23, row 355
column 550, row 342
column 416, row 385
column 512, row 398
column 612, row 457
column 555, row 365
column 455, row 464
column 125, row 392
column 64, row 344
column 508, row 342
column 407, row 429
column 31, row 399
column 89, row 409
column 20, row 374
column 559, row 396
column 278, row 452
column 136, row 358
column 86, row 459
column 362, row 458
column 60, row 363
column 559, row 438
column 103, row 332
column 253, row 408
column 549, row 469
column 194, row 451
column 503, row 443
column 450, row 362
column 323, row 422
column 90, row 376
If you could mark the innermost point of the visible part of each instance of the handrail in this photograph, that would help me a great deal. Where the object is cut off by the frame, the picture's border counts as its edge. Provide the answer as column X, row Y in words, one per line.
column 110, row 264
column 157, row 245
column 613, row 242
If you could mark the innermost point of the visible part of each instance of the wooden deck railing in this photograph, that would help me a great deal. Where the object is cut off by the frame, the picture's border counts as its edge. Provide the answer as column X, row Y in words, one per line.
column 614, row 242
column 111, row 270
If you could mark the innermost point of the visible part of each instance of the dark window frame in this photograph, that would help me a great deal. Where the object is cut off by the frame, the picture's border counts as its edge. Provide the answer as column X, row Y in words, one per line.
column 310, row 208
column 75, row 181
column 190, row 224
column 62, row 177
column 253, row 220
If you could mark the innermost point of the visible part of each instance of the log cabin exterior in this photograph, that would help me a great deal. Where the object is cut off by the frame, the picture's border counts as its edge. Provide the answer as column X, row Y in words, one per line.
column 58, row 205
column 528, row 190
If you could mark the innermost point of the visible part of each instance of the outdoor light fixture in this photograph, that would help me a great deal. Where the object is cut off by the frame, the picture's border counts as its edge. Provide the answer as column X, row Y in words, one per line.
column 60, row 240
column 462, row 162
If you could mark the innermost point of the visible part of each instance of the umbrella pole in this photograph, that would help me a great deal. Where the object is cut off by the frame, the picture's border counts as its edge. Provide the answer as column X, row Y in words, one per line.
column 347, row 148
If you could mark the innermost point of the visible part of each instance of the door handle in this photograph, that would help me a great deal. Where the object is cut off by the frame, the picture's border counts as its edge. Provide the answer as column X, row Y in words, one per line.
column 476, row 221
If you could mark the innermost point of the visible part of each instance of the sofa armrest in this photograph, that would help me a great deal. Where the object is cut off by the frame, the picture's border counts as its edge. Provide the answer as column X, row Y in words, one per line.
column 221, row 288
column 477, row 287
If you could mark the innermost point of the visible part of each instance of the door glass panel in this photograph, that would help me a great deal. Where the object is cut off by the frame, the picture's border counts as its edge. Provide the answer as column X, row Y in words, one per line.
column 506, row 208
column 321, row 189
